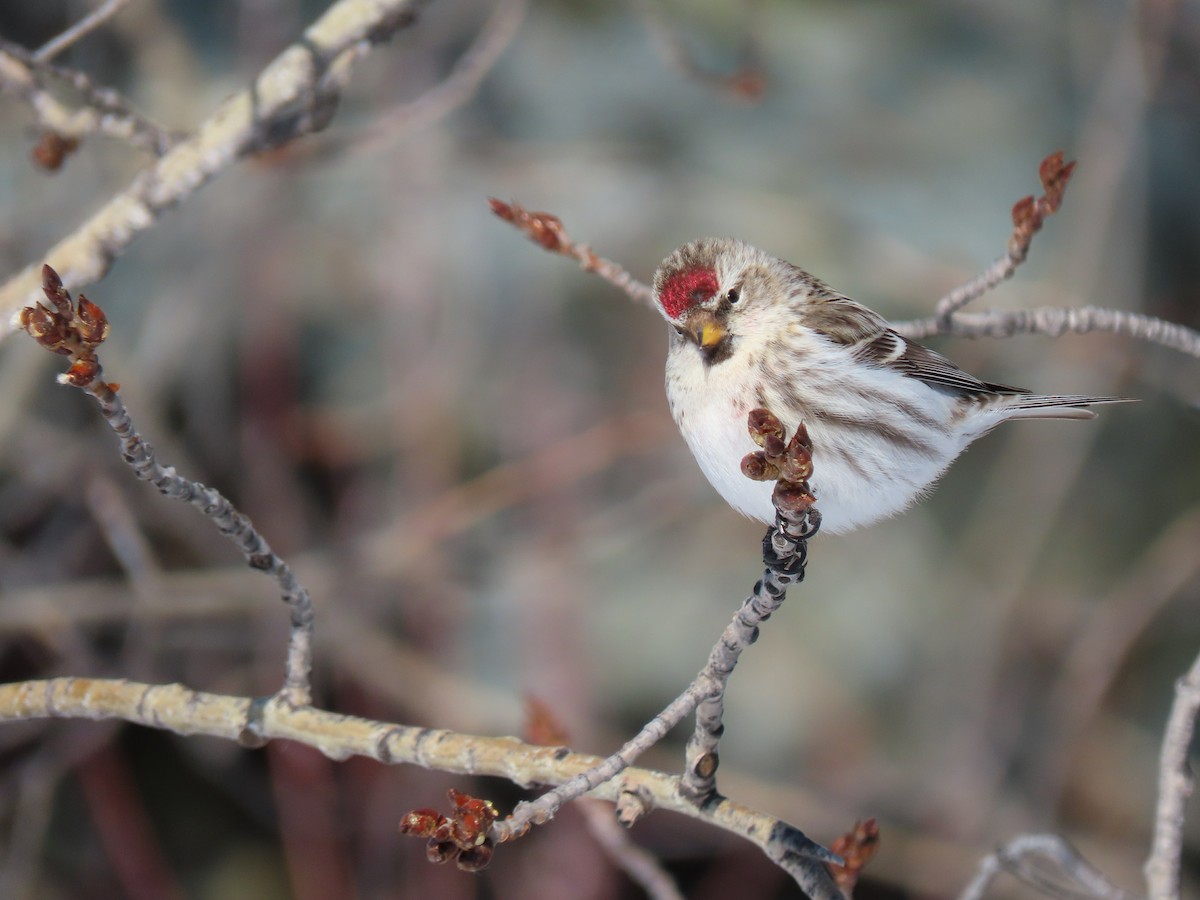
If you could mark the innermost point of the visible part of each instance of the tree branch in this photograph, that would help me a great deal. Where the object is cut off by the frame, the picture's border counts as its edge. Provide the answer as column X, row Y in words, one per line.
column 1175, row 785
column 295, row 93
column 253, row 722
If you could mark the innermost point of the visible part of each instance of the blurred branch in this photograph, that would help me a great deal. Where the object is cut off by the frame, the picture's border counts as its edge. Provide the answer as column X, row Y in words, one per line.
column 252, row 722
column 746, row 82
column 79, row 30
column 464, row 80
column 298, row 89
column 1175, row 785
column 103, row 110
column 1047, row 863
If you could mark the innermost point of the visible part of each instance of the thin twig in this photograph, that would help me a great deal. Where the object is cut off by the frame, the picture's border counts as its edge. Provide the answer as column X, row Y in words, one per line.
column 1055, row 321
column 1047, row 863
column 79, row 30
column 785, row 553
column 317, row 63
column 547, row 232
column 640, row 865
column 1028, row 216
column 76, row 329
column 1175, row 785
column 746, row 82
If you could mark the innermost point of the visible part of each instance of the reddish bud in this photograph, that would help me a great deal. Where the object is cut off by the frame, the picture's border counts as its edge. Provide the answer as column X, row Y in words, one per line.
column 796, row 465
column 756, row 467
column 58, row 295
column 794, row 500
column 52, row 149
column 748, row 85
column 541, row 725
column 441, row 852
column 857, row 847
column 1055, row 173
column 502, row 209
column 1022, row 212
column 93, row 324
column 472, row 818
column 43, row 326
column 82, row 372
column 475, row 859
column 421, row 822
column 763, row 422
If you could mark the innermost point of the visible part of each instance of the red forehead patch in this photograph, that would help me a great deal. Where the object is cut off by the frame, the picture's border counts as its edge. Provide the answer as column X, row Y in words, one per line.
column 685, row 289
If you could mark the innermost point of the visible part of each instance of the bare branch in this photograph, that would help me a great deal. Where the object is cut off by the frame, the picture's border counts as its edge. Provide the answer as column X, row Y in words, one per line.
column 253, row 722
column 1028, row 215
column 1175, row 785
column 547, row 232
column 1055, row 321
column 76, row 331
column 298, row 87
column 79, row 30
column 785, row 552
column 1047, row 863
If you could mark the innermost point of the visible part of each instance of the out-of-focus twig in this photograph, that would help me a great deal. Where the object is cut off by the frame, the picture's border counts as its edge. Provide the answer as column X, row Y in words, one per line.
column 76, row 330
column 746, row 82
column 1047, row 863
column 1175, row 784
column 464, row 79
column 102, row 110
column 314, row 68
column 543, row 727
column 547, row 232
column 80, row 29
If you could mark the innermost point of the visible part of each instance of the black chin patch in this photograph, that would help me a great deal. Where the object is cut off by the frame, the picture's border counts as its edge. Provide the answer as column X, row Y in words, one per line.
column 718, row 352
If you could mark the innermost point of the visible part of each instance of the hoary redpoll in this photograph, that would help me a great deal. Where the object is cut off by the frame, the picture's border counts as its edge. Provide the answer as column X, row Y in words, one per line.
column 886, row 415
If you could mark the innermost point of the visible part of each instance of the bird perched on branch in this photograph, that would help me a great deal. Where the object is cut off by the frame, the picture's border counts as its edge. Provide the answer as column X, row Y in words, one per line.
column 886, row 415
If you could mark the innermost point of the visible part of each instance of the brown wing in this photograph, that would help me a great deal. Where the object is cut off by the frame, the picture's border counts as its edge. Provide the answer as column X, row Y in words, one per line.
column 869, row 339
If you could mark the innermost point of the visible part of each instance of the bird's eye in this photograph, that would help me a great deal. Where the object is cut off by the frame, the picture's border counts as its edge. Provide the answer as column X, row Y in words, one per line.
column 733, row 296
column 679, row 330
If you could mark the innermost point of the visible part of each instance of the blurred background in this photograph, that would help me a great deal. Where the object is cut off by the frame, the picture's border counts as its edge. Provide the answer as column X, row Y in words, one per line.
column 461, row 442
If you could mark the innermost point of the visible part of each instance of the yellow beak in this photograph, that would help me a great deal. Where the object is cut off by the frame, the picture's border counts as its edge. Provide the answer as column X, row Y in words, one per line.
column 705, row 330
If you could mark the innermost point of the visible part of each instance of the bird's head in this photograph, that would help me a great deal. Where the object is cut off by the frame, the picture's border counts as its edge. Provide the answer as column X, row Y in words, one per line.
column 717, row 292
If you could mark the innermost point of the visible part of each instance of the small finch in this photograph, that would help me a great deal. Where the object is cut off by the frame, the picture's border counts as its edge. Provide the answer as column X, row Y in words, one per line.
column 886, row 415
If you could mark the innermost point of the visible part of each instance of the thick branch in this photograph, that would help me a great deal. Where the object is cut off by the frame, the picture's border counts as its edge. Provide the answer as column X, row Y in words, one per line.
column 252, row 722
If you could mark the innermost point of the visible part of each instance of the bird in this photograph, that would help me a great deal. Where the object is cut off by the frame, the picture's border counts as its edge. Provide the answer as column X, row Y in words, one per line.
column 886, row 415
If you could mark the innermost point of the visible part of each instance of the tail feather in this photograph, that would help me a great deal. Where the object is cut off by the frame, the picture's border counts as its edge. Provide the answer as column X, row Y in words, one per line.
column 1056, row 406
